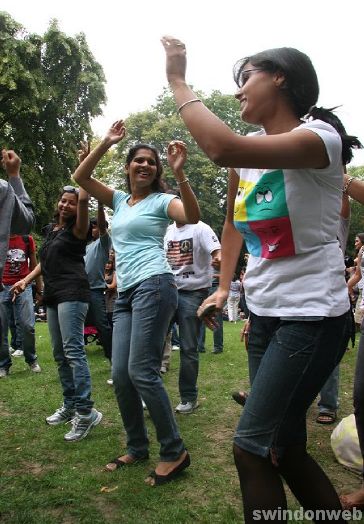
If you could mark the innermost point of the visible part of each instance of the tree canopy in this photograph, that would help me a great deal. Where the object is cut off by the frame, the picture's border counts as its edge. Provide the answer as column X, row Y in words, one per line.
column 50, row 88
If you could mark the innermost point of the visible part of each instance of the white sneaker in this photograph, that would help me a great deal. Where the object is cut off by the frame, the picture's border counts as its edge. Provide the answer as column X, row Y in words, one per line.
column 185, row 408
column 144, row 405
column 18, row 353
column 175, row 348
column 82, row 424
column 35, row 367
column 110, row 381
column 163, row 369
column 4, row 372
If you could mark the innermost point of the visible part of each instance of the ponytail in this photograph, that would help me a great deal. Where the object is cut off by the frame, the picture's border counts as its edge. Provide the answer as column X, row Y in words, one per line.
column 349, row 142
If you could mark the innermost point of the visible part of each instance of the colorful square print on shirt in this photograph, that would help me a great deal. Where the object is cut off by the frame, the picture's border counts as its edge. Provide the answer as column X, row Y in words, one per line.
column 261, row 214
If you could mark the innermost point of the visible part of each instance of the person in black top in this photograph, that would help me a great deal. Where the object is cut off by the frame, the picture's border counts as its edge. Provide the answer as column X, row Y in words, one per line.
column 66, row 295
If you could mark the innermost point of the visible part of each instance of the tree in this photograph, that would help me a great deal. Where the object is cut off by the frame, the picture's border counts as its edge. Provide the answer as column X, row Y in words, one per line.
column 161, row 124
column 50, row 89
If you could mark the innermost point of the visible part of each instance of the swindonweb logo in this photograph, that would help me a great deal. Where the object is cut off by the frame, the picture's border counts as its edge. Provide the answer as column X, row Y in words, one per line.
column 323, row 515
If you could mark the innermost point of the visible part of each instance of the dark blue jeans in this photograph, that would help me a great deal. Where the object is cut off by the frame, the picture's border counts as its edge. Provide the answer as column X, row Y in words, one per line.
column 359, row 391
column 189, row 328
column 97, row 317
column 218, row 332
column 289, row 362
column 142, row 315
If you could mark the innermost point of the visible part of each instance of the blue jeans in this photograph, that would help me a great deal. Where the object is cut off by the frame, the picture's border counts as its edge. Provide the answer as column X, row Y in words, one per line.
column 142, row 315
column 218, row 332
column 359, row 391
column 329, row 394
column 23, row 309
column 289, row 362
column 189, row 328
column 175, row 335
column 66, row 322
column 97, row 317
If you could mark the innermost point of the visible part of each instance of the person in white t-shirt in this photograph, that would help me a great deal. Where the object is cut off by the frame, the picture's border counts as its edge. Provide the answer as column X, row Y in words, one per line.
column 284, row 197
column 190, row 249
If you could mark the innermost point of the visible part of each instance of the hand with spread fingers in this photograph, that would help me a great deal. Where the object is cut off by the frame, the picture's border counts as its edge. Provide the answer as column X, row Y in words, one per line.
column 176, row 59
column 115, row 134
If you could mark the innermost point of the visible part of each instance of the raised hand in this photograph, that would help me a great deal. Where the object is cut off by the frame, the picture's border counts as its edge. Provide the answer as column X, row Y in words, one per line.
column 116, row 133
column 176, row 156
column 11, row 162
column 84, row 151
column 176, row 59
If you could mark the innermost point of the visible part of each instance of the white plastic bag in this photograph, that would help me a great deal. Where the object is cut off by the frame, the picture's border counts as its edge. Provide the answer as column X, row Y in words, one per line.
column 345, row 444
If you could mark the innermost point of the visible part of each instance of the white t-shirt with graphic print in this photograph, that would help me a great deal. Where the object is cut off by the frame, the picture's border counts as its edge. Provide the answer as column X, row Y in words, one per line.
column 189, row 251
column 290, row 221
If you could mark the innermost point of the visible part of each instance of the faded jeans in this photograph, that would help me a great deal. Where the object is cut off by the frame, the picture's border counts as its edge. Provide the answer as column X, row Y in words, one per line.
column 142, row 315
column 66, row 322
column 24, row 317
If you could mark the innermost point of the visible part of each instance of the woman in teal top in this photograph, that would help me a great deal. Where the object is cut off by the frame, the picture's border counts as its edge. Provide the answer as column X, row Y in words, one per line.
column 147, row 294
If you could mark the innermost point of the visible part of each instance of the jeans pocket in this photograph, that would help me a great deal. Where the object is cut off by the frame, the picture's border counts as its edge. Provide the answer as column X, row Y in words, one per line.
column 297, row 339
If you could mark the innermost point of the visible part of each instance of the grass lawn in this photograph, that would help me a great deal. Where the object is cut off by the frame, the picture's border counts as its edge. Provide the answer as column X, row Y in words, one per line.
column 44, row 479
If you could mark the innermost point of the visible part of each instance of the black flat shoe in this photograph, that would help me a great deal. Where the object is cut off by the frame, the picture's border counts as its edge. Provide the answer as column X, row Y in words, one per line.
column 159, row 480
column 240, row 398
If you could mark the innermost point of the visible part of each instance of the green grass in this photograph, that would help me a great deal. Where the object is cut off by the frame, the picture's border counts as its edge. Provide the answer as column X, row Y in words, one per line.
column 45, row 480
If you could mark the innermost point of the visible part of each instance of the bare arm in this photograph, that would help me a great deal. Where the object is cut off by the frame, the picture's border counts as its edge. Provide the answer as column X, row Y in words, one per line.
column 231, row 243
column 38, row 280
column 80, row 229
column 357, row 275
column 101, row 220
column 84, row 171
column 186, row 211
column 20, row 286
column 298, row 149
column 355, row 189
column 113, row 282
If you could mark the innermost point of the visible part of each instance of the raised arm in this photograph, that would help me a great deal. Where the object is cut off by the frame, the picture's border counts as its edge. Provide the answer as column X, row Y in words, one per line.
column 22, row 211
column 186, row 211
column 301, row 149
column 80, row 229
column 101, row 220
column 83, row 174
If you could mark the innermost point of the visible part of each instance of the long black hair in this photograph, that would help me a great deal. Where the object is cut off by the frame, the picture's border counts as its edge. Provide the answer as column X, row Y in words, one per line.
column 301, row 87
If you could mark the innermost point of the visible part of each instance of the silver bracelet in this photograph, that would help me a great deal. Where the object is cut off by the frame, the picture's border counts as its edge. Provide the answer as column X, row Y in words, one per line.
column 183, row 181
column 188, row 102
column 347, row 184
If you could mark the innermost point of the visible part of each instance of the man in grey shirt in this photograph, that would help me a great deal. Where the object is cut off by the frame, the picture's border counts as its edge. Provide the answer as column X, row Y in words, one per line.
column 97, row 254
column 16, row 217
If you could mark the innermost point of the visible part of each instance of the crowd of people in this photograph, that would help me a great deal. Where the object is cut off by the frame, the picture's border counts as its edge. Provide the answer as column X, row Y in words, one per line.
column 169, row 267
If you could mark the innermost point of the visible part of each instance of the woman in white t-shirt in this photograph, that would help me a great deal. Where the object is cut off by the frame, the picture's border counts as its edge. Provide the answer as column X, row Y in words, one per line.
column 147, row 294
column 284, row 197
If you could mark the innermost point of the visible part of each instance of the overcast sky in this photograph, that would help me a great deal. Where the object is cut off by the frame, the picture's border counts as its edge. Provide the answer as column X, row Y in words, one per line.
column 124, row 37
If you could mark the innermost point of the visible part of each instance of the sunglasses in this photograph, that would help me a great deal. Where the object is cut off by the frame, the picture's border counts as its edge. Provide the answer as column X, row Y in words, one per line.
column 70, row 189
